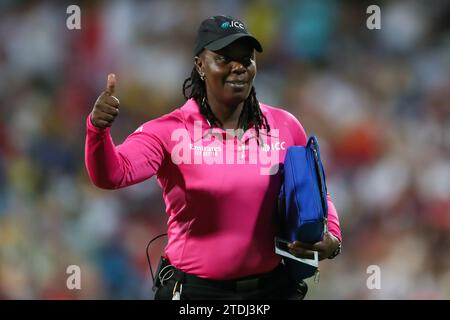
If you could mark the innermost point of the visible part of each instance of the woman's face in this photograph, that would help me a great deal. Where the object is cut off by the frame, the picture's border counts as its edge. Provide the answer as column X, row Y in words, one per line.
column 229, row 72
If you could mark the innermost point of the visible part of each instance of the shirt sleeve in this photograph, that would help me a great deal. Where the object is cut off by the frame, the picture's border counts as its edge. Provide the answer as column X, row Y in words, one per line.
column 111, row 167
column 333, row 220
column 300, row 139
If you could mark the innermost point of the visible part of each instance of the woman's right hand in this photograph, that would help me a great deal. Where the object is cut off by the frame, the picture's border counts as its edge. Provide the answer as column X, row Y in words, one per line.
column 106, row 108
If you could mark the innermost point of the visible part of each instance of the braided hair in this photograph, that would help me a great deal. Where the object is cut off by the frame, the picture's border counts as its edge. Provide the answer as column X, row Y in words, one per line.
column 194, row 87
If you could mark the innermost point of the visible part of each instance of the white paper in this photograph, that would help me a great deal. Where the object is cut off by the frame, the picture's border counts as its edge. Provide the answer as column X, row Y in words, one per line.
column 312, row 262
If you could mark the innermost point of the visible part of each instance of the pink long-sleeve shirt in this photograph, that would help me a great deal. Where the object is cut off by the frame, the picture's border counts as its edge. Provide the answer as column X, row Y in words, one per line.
column 220, row 190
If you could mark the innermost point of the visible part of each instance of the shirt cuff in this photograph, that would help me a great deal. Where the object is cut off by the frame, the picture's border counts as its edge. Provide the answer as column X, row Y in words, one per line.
column 90, row 126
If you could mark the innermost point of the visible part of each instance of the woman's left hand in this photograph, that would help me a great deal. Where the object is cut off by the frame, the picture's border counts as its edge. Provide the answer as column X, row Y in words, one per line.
column 325, row 248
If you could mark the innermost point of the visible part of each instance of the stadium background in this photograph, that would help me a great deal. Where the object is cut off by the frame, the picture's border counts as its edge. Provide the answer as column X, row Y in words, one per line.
column 379, row 100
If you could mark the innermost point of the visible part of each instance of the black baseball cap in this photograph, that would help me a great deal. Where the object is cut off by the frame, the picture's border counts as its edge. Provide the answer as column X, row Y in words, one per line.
column 218, row 32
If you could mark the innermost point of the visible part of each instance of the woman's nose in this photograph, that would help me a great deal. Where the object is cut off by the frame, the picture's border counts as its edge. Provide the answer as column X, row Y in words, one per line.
column 237, row 67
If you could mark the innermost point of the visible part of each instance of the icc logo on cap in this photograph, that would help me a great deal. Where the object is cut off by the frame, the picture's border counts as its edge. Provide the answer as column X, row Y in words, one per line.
column 229, row 24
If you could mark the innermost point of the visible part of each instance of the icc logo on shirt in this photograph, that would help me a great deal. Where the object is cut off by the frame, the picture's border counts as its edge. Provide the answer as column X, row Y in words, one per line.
column 277, row 146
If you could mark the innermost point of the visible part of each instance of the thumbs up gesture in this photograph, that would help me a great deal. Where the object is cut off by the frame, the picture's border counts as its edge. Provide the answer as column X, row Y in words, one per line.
column 106, row 108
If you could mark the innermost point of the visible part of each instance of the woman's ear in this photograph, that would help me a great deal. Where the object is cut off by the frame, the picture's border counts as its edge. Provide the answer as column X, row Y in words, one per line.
column 198, row 66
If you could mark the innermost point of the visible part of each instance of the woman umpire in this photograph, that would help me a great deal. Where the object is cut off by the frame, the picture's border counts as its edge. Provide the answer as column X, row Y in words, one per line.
column 209, row 157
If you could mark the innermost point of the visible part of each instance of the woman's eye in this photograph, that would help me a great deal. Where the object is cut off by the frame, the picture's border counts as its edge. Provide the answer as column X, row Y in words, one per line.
column 222, row 59
column 245, row 60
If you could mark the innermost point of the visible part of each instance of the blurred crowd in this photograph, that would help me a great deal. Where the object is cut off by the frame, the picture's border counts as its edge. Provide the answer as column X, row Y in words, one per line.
column 378, row 100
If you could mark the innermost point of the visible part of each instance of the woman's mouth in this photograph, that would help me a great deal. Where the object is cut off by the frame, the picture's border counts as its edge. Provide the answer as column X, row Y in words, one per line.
column 237, row 84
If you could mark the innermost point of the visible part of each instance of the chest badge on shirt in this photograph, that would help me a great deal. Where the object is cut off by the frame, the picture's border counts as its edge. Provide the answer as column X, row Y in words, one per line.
column 216, row 146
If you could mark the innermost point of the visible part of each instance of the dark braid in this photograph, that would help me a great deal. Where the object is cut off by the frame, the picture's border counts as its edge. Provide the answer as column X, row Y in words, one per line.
column 251, row 112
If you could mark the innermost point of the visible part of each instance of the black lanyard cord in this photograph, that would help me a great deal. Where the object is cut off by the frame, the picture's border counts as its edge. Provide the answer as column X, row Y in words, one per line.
column 148, row 256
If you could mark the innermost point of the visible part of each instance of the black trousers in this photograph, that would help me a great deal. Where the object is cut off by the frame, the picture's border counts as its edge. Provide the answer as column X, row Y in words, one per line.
column 275, row 285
